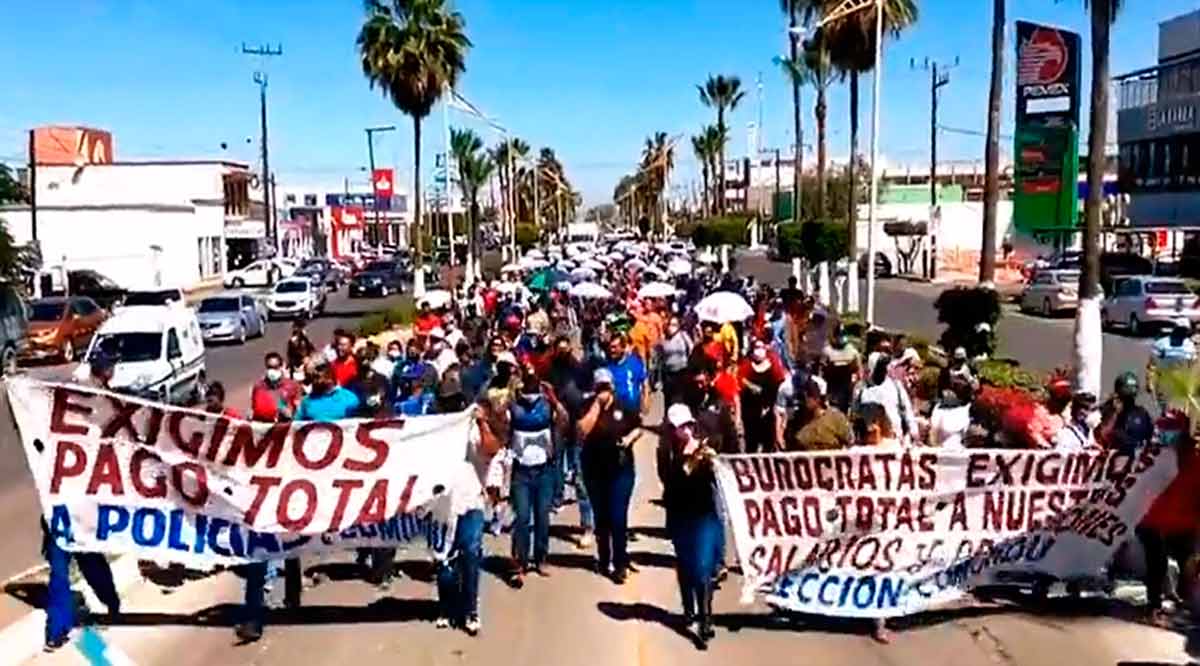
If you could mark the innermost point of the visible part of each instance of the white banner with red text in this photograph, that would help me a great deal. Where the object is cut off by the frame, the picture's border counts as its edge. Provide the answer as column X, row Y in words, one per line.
column 122, row 475
column 888, row 532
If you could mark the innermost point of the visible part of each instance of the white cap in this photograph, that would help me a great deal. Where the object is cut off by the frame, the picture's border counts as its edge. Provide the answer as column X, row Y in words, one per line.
column 679, row 414
column 438, row 332
column 602, row 376
column 910, row 355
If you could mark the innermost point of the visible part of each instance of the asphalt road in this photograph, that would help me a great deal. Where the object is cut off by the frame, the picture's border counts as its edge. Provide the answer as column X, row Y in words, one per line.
column 1039, row 343
column 235, row 366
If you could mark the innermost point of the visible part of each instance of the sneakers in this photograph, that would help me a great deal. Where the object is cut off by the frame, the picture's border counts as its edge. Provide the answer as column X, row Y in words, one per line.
column 585, row 541
column 248, row 632
column 442, row 622
column 472, row 625
column 620, row 576
column 53, row 644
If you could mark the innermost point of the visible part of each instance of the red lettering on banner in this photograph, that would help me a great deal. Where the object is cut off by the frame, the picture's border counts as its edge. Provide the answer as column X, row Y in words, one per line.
column 928, row 465
column 153, row 426
column 1036, row 497
column 783, row 474
column 812, row 516
column 62, row 469
column 199, row 497
column 191, row 444
column 263, row 485
column 158, row 484
column 753, row 515
column 250, row 451
column 1048, row 468
column 993, row 510
column 766, row 480
column 374, row 509
column 300, row 437
column 843, row 468
column 887, row 557
column 121, row 419
column 977, row 464
column 366, row 439
column 802, row 465
column 958, row 513
column 406, row 495
column 824, row 472
column 886, row 459
column 908, row 474
column 756, row 556
column 344, row 486
column 904, row 514
column 924, row 515
column 864, row 514
column 743, row 474
column 843, row 506
column 219, row 429
column 106, row 472
column 62, row 406
column 283, row 507
column 866, row 474
column 789, row 508
column 770, row 518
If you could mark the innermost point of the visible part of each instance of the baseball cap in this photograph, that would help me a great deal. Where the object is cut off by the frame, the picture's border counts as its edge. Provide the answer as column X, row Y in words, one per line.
column 602, row 376
column 438, row 332
column 960, row 353
column 679, row 414
column 506, row 357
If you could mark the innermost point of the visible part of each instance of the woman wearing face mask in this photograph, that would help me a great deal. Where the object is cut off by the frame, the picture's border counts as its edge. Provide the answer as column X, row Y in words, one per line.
column 532, row 417
column 886, row 392
column 761, row 374
column 1080, row 433
column 673, row 352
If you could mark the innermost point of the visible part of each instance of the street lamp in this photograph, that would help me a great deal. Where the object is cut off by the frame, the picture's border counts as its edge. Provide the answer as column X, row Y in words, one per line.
column 371, row 161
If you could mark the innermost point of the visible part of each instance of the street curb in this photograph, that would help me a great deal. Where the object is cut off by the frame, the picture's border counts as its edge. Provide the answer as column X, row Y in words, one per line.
column 23, row 639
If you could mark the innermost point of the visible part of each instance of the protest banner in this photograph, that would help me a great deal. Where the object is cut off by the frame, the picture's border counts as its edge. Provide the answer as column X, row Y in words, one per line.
column 886, row 532
column 117, row 474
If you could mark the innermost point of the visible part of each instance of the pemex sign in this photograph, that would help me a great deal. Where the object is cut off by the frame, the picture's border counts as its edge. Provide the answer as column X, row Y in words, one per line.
column 1046, row 151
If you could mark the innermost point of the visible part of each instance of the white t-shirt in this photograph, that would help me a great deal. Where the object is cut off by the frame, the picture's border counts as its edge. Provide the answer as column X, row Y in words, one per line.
column 948, row 426
column 444, row 360
column 1073, row 438
column 466, row 487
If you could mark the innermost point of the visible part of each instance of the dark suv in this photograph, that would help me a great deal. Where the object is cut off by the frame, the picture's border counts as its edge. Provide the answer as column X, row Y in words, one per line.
column 378, row 277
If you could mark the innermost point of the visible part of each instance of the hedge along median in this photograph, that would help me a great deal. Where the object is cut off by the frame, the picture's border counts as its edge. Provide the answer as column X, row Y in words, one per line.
column 402, row 314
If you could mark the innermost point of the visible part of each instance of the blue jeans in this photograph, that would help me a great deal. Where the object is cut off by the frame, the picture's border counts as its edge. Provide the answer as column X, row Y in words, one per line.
column 458, row 576
column 60, row 601
column 531, row 492
column 568, row 462
column 611, row 491
column 698, row 542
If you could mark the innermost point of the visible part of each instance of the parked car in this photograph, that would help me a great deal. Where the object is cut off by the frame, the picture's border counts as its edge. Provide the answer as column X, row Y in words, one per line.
column 14, row 326
column 232, row 316
column 260, row 273
column 157, row 353
column 1051, row 291
column 378, row 277
column 1144, row 301
column 103, row 291
column 61, row 326
column 296, row 297
column 320, row 272
column 159, row 297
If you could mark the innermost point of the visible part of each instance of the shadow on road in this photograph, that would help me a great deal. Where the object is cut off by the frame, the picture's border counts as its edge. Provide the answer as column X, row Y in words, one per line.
column 644, row 612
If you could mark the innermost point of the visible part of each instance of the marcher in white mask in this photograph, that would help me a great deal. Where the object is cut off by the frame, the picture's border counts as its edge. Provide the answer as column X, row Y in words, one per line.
column 1080, row 432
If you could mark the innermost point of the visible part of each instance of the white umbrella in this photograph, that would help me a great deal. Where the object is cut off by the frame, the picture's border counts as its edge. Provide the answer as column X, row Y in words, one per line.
column 512, row 268
column 653, row 272
column 566, row 264
column 438, row 298
column 707, row 258
column 583, row 274
column 636, row 264
column 590, row 290
column 565, row 285
column 680, row 266
column 723, row 306
column 507, row 287
column 593, row 264
column 616, row 256
column 656, row 290
column 535, row 253
column 534, row 264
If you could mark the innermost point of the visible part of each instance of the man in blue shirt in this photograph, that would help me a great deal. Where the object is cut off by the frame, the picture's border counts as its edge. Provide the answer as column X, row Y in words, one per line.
column 629, row 376
column 328, row 401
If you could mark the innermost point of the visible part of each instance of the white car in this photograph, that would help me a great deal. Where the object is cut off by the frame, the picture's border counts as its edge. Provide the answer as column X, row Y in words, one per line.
column 157, row 352
column 1051, row 292
column 295, row 297
column 260, row 273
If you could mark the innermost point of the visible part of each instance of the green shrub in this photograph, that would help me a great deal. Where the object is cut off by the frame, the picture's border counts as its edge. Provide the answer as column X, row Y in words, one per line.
column 527, row 235
column 372, row 324
column 686, row 228
column 403, row 314
column 727, row 230
column 962, row 309
column 824, row 240
column 1005, row 373
column 787, row 241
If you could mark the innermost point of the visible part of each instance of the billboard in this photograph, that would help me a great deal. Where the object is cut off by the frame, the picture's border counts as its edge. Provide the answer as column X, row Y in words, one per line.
column 1046, row 150
column 65, row 146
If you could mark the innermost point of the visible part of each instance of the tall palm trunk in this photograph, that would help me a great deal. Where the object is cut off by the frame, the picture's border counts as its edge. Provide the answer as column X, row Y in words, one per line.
column 821, row 113
column 991, row 191
column 704, row 205
column 418, row 263
column 472, row 235
column 1088, row 351
column 797, row 127
column 721, row 157
column 852, row 214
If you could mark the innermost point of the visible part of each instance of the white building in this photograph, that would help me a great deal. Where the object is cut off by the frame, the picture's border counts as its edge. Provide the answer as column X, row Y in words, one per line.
column 344, row 214
column 171, row 223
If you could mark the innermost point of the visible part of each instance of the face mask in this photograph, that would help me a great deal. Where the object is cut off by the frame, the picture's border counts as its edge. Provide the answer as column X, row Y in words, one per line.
column 760, row 354
column 394, row 354
column 1092, row 419
column 274, row 375
column 374, row 400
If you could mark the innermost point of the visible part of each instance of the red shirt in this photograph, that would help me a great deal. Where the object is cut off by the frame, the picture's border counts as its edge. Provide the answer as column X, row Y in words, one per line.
column 265, row 400
column 727, row 386
column 490, row 298
column 426, row 323
column 344, row 371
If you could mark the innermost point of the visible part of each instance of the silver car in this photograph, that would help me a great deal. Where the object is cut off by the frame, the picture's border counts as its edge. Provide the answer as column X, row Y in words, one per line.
column 1144, row 301
column 1051, row 292
column 232, row 316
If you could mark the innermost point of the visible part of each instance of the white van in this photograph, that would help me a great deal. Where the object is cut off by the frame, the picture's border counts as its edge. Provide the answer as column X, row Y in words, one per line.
column 158, row 352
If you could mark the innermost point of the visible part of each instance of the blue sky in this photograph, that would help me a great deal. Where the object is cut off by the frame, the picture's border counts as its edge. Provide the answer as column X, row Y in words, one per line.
column 590, row 78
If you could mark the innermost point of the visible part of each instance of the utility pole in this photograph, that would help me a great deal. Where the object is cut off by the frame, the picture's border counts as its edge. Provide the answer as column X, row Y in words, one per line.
column 371, row 159
column 939, row 77
column 33, row 230
column 775, row 201
column 260, row 77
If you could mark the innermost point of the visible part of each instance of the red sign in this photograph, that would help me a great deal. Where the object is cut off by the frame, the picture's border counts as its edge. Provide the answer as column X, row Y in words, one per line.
column 65, row 146
column 384, row 180
column 347, row 217
column 1042, row 58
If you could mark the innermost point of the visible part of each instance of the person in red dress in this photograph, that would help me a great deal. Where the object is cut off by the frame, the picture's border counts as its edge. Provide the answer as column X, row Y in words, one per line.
column 344, row 365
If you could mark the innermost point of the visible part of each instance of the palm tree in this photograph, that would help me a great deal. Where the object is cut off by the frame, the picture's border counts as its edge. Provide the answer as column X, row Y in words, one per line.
column 798, row 11
column 700, row 148
column 722, row 93
column 658, row 158
column 465, row 146
column 991, row 152
column 474, row 171
column 1088, row 352
column 851, row 41
column 815, row 68
column 413, row 51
